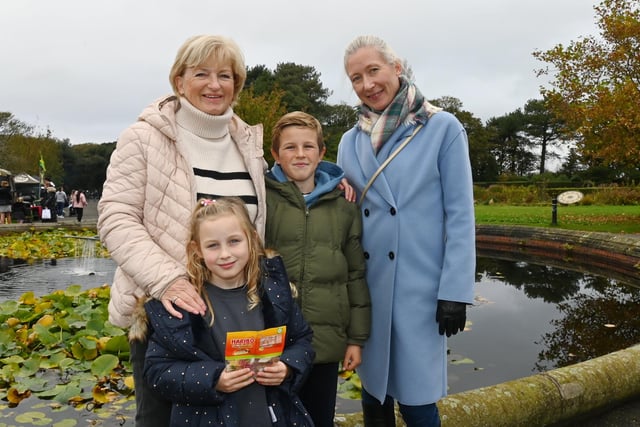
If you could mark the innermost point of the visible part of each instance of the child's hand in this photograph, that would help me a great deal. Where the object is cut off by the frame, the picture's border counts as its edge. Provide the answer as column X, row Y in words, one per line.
column 273, row 374
column 231, row 381
column 352, row 357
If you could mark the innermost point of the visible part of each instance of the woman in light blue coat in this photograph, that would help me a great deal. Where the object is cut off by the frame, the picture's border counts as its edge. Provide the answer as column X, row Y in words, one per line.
column 418, row 234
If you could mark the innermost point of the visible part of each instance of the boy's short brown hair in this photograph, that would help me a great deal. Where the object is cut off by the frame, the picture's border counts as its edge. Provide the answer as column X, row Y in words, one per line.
column 296, row 118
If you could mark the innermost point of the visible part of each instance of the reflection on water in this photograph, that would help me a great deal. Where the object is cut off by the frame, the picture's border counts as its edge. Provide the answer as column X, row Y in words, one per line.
column 529, row 318
column 44, row 277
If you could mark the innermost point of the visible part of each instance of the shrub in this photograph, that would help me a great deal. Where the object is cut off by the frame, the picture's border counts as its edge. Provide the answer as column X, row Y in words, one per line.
column 543, row 194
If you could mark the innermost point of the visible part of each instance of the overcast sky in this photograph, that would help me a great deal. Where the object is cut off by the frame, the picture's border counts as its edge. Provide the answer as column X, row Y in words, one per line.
column 84, row 69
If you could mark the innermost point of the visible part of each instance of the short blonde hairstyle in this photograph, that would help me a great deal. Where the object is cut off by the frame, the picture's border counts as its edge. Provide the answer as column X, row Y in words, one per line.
column 197, row 50
column 296, row 118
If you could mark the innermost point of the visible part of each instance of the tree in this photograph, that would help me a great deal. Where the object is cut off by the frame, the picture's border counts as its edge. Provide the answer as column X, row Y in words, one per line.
column 483, row 163
column 338, row 120
column 448, row 103
column 542, row 128
column 484, row 166
column 303, row 89
column 510, row 147
column 21, row 146
column 86, row 165
column 572, row 165
column 10, row 128
column 266, row 108
column 298, row 88
column 301, row 85
column 9, row 125
column 260, row 78
column 595, row 86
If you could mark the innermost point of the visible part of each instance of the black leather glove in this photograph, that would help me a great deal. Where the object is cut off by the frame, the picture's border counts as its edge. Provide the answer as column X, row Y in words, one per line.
column 451, row 317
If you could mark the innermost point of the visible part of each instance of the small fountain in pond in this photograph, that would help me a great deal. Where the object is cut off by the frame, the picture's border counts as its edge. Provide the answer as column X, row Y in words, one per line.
column 85, row 252
column 86, row 268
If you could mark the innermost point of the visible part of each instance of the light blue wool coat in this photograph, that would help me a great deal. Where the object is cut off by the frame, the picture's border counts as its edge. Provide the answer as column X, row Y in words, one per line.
column 419, row 241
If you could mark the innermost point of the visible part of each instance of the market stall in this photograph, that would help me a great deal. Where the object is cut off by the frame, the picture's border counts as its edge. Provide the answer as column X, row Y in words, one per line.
column 27, row 190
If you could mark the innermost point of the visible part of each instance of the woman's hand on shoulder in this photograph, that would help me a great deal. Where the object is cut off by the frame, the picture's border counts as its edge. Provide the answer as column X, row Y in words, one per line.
column 183, row 294
column 231, row 381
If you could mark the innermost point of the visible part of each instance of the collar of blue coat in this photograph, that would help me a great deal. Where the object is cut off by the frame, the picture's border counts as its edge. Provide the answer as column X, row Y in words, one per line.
column 328, row 176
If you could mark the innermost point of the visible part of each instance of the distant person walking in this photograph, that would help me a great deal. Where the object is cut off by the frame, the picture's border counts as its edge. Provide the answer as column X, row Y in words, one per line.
column 78, row 204
column 71, row 197
column 61, row 202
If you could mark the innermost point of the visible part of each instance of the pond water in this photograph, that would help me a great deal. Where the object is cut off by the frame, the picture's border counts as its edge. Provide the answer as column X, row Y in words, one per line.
column 527, row 317
column 45, row 276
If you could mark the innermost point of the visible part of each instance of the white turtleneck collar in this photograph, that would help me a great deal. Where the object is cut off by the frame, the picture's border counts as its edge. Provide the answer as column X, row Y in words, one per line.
column 202, row 124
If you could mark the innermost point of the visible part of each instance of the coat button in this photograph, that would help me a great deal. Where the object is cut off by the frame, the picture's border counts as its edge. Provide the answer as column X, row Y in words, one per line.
column 366, row 255
column 392, row 211
column 392, row 255
column 366, row 212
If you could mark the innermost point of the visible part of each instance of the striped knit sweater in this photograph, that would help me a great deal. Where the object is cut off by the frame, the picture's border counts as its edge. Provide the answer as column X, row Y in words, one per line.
column 217, row 162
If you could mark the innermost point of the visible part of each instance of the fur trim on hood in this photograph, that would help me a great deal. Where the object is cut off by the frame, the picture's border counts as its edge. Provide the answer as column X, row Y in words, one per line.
column 140, row 323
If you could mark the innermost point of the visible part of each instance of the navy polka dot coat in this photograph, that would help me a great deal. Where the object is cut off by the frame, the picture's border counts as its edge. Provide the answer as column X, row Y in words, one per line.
column 182, row 372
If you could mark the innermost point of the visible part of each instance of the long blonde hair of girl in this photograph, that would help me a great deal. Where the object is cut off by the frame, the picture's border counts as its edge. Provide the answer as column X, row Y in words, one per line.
column 197, row 270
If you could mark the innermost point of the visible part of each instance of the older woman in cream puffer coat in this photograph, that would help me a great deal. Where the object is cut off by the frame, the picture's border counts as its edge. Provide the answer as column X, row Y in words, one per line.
column 146, row 203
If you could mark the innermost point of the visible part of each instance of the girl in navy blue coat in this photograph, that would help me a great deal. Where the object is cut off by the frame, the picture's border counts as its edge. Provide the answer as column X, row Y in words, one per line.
column 245, row 290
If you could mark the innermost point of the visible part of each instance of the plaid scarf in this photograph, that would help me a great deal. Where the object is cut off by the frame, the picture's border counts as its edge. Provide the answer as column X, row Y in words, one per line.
column 408, row 107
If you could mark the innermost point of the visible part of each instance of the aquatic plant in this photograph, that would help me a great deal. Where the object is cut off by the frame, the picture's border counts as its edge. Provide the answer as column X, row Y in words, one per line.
column 61, row 347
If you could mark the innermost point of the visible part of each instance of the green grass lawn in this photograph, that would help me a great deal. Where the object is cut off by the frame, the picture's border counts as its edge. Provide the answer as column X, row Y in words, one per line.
column 612, row 219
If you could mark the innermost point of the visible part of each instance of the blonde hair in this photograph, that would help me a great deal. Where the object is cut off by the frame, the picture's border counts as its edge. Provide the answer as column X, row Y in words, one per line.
column 198, row 49
column 197, row 270
column 296, row 118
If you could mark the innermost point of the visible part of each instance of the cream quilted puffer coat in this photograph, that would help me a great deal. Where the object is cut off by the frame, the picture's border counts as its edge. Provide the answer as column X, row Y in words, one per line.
column 146, row 203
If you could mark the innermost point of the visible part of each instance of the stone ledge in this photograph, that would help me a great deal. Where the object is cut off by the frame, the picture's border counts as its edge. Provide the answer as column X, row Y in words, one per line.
column 67, row 224
column 614, row 255
column 549, row 398
column 628, row 244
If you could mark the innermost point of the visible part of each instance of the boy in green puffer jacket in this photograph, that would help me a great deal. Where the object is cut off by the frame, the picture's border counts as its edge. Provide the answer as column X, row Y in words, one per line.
column 317, row 232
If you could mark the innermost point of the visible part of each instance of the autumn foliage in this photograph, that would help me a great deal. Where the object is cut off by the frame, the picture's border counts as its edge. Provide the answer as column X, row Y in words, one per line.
column 595, row 86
